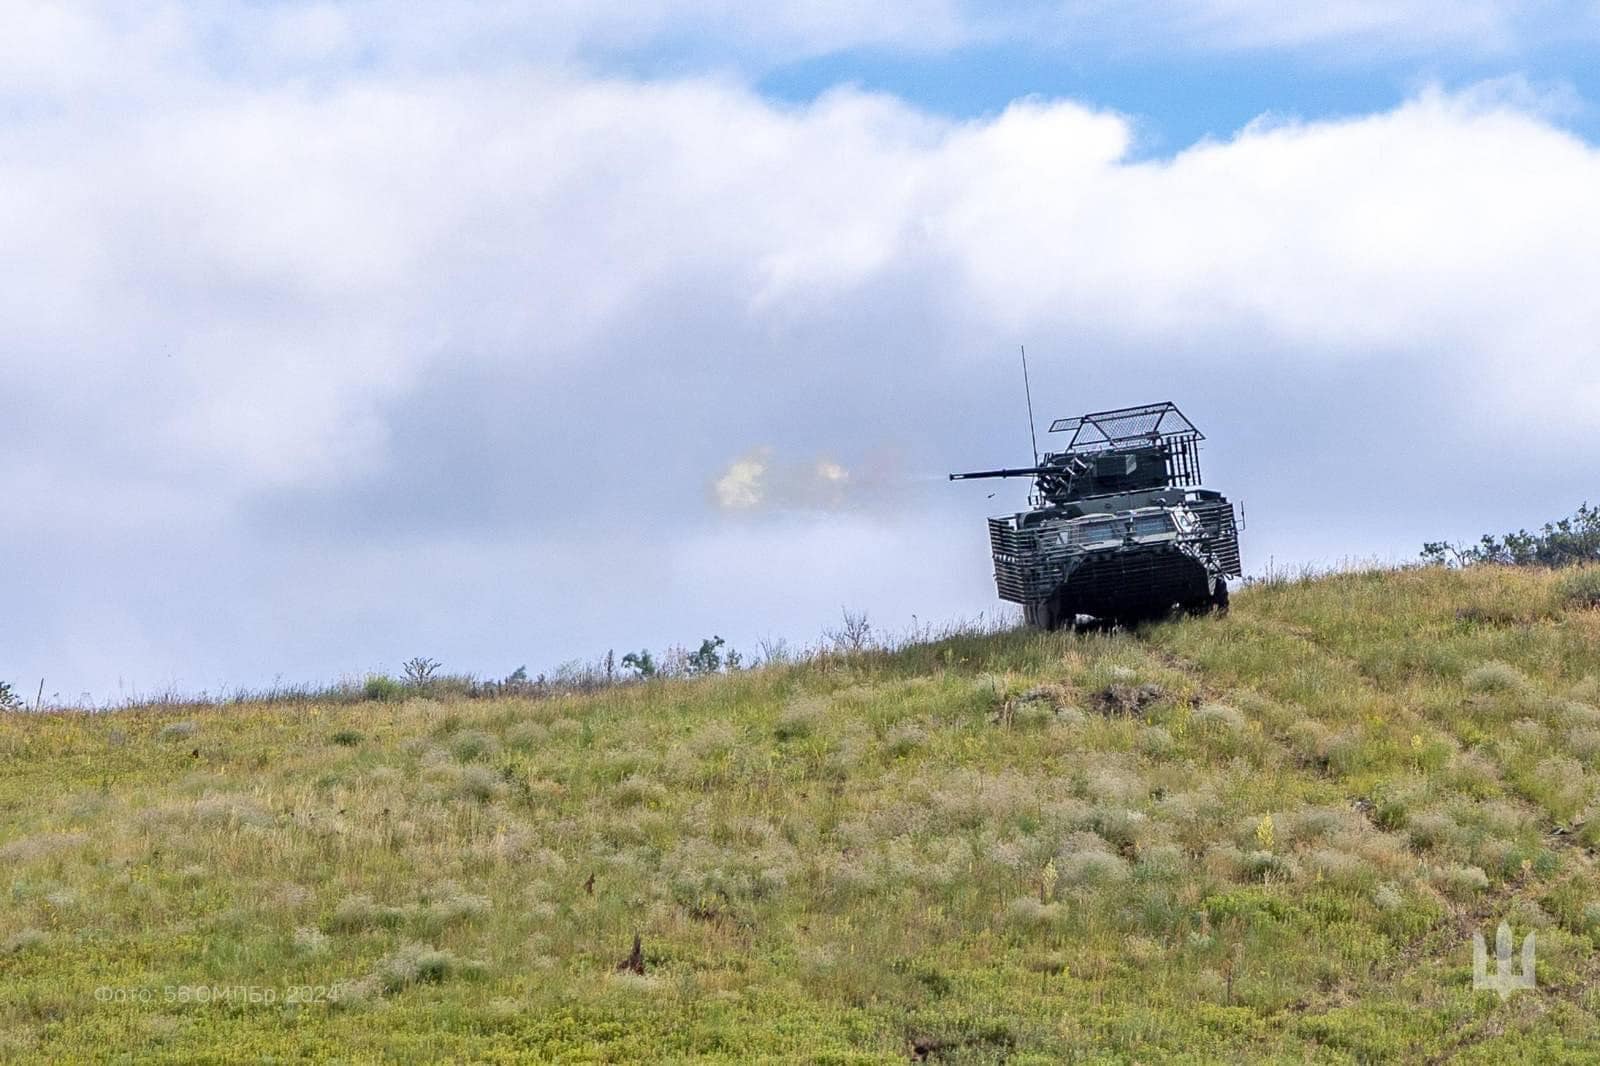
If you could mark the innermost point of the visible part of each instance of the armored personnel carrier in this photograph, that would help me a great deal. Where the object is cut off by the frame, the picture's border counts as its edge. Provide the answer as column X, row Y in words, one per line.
column 1119, row 527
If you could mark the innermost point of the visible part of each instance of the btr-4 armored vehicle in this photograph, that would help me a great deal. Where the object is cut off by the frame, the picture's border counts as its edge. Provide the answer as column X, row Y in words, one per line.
column 1119, row 527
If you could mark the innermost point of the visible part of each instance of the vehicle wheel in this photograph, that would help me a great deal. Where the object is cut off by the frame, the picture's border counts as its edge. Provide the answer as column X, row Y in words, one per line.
column 1051, row 614
column 1219, row 597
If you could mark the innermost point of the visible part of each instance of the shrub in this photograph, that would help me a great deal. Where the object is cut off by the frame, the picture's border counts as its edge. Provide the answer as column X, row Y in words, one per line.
column 451, row 904
column 1265, row 866
column 708, row 660
column 479, row 783
column 1567, row 542
column 1581, row 589
column 1462, row 882
column 1090, row 868
column 382, row 687
column 1156, row 742
column 347, row 738
column 25, row 940
column 904, row 739
column 526, row 736
column 420, row 670
column 1218, row 717
column 1584, row 743
column 799, row 719
column 9, row 700
column 635, row 791
column 1494, row 676
column 642, row 663
column 853, row 635
column 470, row 745
column 414, row 964
column 1430, row 829
column 359, row 911
column 1162, row 861
column 1387, row 897
column 1339, row 867
column 1028, row 912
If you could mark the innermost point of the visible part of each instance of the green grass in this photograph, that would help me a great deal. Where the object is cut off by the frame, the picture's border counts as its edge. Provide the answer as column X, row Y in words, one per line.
column 1265, row 837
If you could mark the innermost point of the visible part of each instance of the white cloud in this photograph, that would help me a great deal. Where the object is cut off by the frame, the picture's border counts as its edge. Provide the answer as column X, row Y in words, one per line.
column 256, row 276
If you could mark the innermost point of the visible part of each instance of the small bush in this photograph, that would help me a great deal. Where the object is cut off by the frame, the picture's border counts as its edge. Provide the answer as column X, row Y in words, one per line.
column 420, row 670
column 1585, row 744
column 904, row 739
column 1029, row 913
column 799, row 720
column 1338, row 867
column 471, row 745
column 1156, row 742
column 25, row 940
column 414, row 964
column 637, row 791
column 479, row 783
column 527, row 736
column 451, row 904
column 1495, row 677
column 1582, row 588
column 347, row 738
column 1430, row 829
column 1266, row 866
column 1391, row 812
column 1091, row 868
column 1388, row 898
column 360, row 911
column 1461, row 882
column 1162, row 861
column 383, row 688
column 708, row 660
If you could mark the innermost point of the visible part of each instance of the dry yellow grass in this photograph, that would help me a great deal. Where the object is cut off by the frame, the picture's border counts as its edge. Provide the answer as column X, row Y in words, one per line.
column 1260, row 836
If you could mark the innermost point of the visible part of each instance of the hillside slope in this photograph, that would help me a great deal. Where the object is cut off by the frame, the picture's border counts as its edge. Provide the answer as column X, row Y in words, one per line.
column 1266, row 835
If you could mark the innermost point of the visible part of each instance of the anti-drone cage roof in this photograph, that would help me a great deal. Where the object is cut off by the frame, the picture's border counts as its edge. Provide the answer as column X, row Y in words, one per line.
column 1127, row 425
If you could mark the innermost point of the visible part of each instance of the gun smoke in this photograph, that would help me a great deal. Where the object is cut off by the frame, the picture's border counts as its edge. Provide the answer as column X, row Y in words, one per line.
column 760, row 481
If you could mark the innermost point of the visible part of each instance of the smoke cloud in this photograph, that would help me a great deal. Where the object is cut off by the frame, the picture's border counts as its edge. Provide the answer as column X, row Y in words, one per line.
column 759, row 481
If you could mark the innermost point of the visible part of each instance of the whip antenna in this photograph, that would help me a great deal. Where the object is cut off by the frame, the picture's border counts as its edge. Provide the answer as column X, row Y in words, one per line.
column 1028, row 392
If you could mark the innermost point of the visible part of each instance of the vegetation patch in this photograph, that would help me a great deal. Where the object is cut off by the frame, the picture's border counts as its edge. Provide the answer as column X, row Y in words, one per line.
column 1267, row 836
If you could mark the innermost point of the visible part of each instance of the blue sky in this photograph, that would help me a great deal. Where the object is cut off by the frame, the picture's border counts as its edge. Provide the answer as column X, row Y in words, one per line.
column 338, row 333
column 1178, row 100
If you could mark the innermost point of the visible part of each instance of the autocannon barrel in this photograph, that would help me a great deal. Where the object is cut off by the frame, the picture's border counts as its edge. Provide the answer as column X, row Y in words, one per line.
column 1016, row 471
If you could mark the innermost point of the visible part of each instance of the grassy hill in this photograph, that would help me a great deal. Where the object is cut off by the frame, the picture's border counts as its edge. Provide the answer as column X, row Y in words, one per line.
column 1263, row 836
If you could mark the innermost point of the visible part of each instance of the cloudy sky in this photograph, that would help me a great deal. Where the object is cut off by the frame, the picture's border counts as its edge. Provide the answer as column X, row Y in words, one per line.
column 506, row 333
